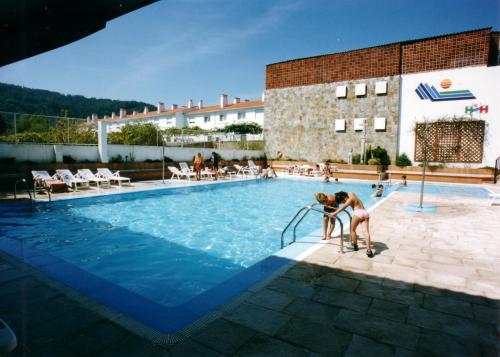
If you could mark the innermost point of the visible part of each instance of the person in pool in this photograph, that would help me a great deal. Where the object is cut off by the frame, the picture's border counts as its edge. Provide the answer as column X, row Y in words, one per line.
column 329, row 203
column 349, row 199
column 379, row 190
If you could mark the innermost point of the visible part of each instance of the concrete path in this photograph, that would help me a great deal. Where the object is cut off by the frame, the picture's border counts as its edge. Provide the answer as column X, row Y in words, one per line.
column 433, row 288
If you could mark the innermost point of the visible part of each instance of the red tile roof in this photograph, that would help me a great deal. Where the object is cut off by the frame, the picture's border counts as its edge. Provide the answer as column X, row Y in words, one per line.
column 186, row 110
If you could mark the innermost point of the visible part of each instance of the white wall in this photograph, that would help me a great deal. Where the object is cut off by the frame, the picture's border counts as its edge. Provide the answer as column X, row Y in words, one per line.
column 44, row 153
column 252, row 115
column 483, row 82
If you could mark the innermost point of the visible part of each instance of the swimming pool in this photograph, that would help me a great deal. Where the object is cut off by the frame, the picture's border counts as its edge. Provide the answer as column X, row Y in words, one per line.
column 166, row 257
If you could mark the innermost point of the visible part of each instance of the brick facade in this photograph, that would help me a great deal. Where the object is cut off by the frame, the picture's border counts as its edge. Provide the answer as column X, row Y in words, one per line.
column 470, row 48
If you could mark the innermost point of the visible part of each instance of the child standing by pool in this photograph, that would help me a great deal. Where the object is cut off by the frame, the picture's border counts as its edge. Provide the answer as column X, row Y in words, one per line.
column 360, row 215
column 329, row 203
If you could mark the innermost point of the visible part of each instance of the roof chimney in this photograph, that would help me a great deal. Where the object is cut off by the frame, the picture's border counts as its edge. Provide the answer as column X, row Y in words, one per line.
column 146, row 110
column 134, row 112
column 200, row 104
column 236, row 100
column 113, row 115
column 190, row 103
column 263, row 96
column 123, row 113
column 105, row 117
column 161, row 107
column 223, row 100
column 94, row 117
column 174, row 106
column 88, row 119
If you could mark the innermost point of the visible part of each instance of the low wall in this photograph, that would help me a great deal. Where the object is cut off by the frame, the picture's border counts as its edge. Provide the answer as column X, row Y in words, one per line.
column 47, row 153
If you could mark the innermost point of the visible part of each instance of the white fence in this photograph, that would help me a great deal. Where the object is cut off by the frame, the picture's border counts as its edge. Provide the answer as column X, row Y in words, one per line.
column 45, row 153
column 201, row 138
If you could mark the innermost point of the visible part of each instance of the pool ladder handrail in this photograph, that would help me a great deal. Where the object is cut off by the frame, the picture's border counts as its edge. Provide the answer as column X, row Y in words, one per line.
column 306, row 210
column 23, row 181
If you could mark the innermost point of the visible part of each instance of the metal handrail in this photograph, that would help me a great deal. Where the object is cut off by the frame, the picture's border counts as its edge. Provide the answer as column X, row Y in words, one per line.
column 41, row 187
column 308, row 209
column 27, row 190
column 497, row 170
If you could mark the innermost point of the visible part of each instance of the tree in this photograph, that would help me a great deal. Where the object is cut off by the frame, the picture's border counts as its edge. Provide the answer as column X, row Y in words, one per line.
column 243, row 128
column 137, row 134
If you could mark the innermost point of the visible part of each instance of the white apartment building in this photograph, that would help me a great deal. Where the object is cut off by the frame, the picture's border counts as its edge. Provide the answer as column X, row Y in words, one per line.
column 206, row 117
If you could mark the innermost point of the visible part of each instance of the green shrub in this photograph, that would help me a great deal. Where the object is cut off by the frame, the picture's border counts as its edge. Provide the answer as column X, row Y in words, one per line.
column 117, row 158
column 378, row 153
column 403, row 160
column 374, row 161
column 8, row 160
column 356, row 159
column 68, row 159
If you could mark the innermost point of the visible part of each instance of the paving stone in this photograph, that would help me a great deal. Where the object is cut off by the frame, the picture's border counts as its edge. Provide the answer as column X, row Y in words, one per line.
column 453, row 325
column 293, row 287
column 327, row 254
column 486, row 314
column 264, row 346
column 18, row 286
column 391, row 294
column 5, row 266
column 403, row 352
column 20, row 351
column 36, row 336
column 397, row 284
column 313, row 311
column 361, row 276
column 380, row 330
column 133, row 345
column 192, row 349
column 96, row 337
column 405, row 261
column 315, row 337
column 301, row 271
column 448, row 305
column 11, row 274
column 362, row 346
column 337, row 282
column 54, row 349
column 258, row 318
column 224, row 336
column 342, row 299
column 434, row 343
column 388, row 310
column 353, row 264
column 271, row 299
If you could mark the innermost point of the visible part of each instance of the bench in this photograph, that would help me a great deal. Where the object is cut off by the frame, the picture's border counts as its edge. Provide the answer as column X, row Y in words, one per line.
column 441, row 176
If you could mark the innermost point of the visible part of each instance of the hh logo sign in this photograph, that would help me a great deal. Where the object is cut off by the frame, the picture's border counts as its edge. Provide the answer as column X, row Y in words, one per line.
column 429, row 92
column 476, row 108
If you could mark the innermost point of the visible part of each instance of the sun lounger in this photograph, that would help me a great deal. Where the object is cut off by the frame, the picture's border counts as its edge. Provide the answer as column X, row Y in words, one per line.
column 185, row 168
column 493, row 197
column 176, row 172
column 86, row 174
column 70, row 180
column 253, row 167
column 106, row 173
column 51, row 183
column 243, row 170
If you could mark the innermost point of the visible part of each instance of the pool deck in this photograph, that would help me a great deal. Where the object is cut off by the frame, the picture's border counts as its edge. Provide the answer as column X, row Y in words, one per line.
column 433, row 288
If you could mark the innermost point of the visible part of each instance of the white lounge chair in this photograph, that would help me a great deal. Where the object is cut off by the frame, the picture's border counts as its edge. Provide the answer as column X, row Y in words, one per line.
column 493, row 196
column 70, row 180
column 176, row 172
column 45, row 181
column 106, row 173
column 185, row 168
column 255, row 168
column 86, row 174
column 243, row 170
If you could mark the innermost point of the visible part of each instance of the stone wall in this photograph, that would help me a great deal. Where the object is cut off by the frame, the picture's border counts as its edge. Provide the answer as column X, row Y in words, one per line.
column 300, row 121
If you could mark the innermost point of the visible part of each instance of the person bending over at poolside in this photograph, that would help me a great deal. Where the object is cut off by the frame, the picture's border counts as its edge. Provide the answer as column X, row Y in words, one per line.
column 360, row 215
column 403, row 183
column 329, row 206
column 326, row 172
column 378, row 192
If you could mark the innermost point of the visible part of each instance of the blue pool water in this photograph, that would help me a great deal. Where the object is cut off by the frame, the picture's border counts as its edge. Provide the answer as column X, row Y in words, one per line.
column 166, row 257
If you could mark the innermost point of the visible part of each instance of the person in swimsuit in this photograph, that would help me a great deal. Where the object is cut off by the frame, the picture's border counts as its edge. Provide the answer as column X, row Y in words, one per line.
column 326, row 172
column 330, row 205
column 349, row 199
column 379, row 191
column 198, row 165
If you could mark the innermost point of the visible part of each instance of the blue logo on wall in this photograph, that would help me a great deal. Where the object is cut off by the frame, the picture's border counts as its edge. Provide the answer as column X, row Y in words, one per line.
column 426, row 91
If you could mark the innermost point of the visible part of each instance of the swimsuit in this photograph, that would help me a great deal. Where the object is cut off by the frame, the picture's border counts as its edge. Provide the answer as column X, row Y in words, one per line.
column 329, row 210
column 361, row 213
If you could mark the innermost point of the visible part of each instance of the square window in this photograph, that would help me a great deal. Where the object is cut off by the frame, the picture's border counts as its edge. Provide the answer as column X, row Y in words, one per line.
column 381, row 87
column 341, row 91
column 241, row 116
column 360, row 89
column 379, row 123
column 339, row 124
column 222, row 117
column 359, row 124
column 206, row 119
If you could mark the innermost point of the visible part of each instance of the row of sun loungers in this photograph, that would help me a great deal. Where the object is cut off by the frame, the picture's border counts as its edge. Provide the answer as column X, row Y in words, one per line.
column 187, row 172
column 64, row 178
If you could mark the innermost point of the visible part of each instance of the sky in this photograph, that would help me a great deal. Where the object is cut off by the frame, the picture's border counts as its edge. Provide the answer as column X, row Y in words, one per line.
column 176, row 50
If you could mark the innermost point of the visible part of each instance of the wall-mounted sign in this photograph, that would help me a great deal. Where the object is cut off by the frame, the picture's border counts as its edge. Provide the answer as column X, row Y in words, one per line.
column 476, row 108
column 426, row 91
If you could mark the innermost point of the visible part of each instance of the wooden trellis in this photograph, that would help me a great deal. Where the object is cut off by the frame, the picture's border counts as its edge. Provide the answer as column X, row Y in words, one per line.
column 450, row 141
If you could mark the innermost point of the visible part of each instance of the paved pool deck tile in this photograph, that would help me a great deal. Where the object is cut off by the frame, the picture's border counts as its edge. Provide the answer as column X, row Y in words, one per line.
column 433, row 288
